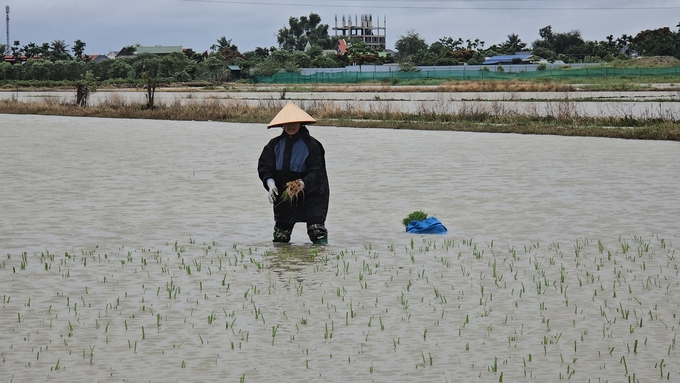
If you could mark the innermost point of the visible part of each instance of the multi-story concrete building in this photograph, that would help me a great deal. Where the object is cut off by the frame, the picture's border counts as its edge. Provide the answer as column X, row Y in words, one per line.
column 373, row 36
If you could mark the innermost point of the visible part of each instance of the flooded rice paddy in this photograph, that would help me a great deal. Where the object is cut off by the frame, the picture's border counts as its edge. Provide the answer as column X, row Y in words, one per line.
column 658, row 104
column 139, row 251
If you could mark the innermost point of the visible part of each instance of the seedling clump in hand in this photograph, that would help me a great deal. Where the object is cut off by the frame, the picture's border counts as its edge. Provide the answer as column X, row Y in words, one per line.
column 293, row 190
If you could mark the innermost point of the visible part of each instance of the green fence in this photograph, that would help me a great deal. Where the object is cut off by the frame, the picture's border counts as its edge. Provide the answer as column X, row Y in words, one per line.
column 470, row 74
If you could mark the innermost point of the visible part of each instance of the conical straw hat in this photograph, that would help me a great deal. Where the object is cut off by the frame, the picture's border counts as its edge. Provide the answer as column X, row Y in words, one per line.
column 291, row 113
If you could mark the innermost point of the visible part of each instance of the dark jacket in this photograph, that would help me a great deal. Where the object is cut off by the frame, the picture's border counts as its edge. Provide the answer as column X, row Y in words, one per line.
column 287, row 158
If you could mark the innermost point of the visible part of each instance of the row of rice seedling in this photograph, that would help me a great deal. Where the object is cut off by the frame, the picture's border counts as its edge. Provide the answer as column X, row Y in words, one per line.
column 423, row 309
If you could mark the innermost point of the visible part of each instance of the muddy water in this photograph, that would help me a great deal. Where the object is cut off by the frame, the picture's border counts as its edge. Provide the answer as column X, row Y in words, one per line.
column 148, row 257
column 377, row 95
column 651, row 104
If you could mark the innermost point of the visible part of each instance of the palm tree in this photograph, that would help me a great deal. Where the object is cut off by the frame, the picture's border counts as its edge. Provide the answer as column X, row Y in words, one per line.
column 223, row 44
column 514, row 43
column 623, row 42
column 16, row 51
column 59, row 50
column 228, row 50
column 78, row 49
column 45, row 50
column 31, row 50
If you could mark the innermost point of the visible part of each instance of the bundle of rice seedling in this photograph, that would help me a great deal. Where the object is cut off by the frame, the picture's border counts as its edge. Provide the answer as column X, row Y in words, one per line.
column 417, row 215
column 293, row 190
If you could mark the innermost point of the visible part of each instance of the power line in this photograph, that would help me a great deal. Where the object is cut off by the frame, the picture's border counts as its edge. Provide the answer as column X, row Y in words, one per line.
column 432, row 7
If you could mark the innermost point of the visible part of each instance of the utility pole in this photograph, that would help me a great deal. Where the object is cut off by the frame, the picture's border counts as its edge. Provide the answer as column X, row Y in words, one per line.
column 7, row 46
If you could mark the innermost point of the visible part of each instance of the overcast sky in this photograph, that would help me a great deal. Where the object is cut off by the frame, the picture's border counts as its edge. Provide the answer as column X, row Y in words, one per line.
column 107, row 25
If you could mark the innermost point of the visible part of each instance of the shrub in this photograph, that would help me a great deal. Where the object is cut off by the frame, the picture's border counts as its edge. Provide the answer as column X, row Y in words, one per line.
column 542, row 66
column 446, row 61
column 476, row 59
column 407, row 66
column 182, row 76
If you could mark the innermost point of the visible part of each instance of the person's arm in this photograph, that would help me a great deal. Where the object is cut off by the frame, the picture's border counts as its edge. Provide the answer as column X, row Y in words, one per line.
column 315, row 165
column 266, row 165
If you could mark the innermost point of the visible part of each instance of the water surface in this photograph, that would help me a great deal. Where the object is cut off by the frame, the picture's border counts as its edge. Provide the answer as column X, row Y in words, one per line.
column 140, row 251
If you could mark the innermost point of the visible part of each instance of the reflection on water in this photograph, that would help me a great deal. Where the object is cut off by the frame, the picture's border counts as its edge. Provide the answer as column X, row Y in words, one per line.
column 140, row 251
column 286, row 255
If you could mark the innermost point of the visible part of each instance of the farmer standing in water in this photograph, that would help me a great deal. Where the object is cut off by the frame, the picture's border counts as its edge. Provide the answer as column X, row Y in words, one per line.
column 294, row 162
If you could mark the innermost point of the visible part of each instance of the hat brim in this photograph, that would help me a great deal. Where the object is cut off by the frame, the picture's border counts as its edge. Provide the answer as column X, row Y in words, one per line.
column 289, row 114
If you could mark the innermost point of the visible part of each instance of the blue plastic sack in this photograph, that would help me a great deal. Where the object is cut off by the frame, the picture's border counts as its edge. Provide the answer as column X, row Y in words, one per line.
column 429, row 225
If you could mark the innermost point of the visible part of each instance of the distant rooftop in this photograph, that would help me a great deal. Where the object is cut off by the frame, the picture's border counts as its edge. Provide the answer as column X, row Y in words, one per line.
column 507, row 59
column 159, row 49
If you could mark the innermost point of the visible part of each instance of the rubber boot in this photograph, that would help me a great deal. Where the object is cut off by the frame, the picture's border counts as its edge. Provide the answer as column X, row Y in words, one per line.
column 281, row 235
column 318, row 234
column 320, row 241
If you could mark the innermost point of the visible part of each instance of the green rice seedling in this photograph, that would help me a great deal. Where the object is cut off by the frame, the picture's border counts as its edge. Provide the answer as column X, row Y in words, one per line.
column 417, row 215
column 327, row 334
column 91, row 354
column 274, row 330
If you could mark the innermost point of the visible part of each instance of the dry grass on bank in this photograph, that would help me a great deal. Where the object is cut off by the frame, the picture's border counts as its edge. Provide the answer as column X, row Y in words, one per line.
column 559, row 118
column 664, row 131
column 505, row 86
column 116, row 106
column 386, row 87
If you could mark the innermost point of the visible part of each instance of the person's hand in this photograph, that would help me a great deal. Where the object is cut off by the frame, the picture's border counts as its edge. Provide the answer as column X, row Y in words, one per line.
column 273, row 190
column 302, row 184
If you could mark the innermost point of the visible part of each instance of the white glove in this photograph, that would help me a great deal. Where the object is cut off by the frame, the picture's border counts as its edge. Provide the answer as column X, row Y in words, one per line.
column 302, row 184
column 273, row 190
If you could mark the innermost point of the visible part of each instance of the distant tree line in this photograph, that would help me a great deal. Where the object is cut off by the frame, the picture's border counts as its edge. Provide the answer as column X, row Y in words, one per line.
column 305, row 43
column 568, row 47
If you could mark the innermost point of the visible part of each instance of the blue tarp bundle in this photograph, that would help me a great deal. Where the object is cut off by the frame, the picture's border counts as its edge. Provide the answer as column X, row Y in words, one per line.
column 429, row 225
